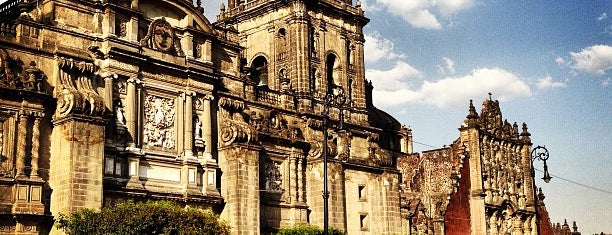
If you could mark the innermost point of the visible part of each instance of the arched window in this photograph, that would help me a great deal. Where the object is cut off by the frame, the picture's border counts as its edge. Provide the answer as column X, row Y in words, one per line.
column 281, row 44
column 332, row 71
column 259, row 71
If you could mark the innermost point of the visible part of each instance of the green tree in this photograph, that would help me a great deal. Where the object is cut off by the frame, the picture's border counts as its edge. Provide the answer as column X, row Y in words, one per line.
column 142, row 218
column 307, row 229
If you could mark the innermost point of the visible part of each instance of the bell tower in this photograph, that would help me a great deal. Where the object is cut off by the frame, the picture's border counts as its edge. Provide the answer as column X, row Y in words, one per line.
column 313, row 45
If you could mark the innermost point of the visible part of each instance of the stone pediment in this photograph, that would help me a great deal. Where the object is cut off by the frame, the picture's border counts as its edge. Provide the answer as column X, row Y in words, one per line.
column 179, row 13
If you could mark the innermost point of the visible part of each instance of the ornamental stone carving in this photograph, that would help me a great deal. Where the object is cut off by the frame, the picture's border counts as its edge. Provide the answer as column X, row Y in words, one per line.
column 233, row 126
column 77, row 89
column 161, row 37
column 159, row 122
column 14, row 74
column 274, row 177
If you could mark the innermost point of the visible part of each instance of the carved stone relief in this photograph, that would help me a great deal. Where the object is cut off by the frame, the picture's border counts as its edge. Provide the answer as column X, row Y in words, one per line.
column 121, row 26
column 159, row 122
column 77, row 90
column 161, row 36
column 274, row 177
column 233, row 126
column 14, row 74
column 120, row 86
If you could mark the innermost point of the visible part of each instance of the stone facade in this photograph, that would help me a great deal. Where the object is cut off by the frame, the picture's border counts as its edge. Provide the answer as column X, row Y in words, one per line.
column 480, row 184
column 114, row 100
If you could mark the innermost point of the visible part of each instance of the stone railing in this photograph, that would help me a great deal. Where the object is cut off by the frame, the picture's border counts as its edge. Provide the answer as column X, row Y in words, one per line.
column 8, row 28
column 267, row 96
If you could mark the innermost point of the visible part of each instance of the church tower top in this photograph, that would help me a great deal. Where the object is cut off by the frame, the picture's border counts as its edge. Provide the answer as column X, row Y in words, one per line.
column 245, row 9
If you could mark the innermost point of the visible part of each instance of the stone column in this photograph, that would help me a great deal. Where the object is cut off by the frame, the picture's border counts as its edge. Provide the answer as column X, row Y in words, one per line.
column 359, row 92
column 132, row 28
column 21, row 144
column 36, row 144
column 187, row 44
column 131, row 110
column 108, row 23
column 188, row 118
column 291, row 179
column 300, row 176
column 207, row 50
column 207, row 128
column 108, row 89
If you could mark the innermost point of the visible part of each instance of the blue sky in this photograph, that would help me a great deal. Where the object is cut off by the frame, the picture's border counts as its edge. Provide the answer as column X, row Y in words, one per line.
column 548, row 62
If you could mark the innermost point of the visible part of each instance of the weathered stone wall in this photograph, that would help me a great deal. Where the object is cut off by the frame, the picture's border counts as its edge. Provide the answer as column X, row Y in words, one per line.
column 240, row 188
column 76, row 165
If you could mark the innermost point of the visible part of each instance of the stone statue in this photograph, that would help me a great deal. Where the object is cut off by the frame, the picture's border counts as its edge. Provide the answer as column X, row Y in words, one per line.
column 198, row 128
column 119, row 114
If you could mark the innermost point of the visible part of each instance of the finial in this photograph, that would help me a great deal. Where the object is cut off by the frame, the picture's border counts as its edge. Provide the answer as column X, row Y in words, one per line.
column 358, row 4
column 490, row 96
column 575, row 227
column 472, row 113
column 525, row 134
column 540, row 195
column 222, row 7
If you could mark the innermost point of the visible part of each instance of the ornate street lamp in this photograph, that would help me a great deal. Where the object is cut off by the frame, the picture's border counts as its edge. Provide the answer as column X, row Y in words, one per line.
column 539, row 153
column 335, row 99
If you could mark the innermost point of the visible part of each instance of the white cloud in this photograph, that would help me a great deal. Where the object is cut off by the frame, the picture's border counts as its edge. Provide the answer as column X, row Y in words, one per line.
column 394, row 78
column 455, row 91
column 560, row 60
column 449, row 7
column 595, row 59
column 421, row 13
column 603, row 16
column 606, row 83
column 547, row 83
column 447, row 68
column 376, row 48
column 366, row 5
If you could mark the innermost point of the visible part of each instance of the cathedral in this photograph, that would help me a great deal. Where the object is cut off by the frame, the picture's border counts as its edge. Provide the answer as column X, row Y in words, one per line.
column 105, row 101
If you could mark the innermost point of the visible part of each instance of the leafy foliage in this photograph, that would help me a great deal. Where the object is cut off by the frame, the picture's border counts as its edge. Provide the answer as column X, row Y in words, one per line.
column 306, row 229
column 142, row 218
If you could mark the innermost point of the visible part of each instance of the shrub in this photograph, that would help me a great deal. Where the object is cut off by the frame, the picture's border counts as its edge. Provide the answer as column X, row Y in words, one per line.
column 306, row 229
column 142, row 218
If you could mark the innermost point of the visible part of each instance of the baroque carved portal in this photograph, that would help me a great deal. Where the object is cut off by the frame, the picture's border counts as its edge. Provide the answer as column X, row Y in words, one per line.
column 159, row 122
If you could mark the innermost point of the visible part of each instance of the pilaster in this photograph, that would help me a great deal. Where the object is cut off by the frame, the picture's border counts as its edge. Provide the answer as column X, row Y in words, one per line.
column 470, row 136
column 77, row 155
column 240, row 187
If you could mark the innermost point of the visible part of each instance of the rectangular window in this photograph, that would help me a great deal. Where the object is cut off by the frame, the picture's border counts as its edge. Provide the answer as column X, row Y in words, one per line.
column 109, row 165
column 363, row 222
column 362, row 192
column 113, row 166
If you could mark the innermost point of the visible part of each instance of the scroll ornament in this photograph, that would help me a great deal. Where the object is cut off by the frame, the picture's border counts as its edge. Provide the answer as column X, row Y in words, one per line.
column 77, row 93
column 234, row 128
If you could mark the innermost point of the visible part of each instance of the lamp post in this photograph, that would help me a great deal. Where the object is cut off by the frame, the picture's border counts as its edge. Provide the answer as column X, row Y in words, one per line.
column 335, row 99
column 539, row 153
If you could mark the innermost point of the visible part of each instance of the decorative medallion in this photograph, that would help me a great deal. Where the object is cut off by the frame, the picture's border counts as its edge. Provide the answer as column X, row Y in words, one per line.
column 161, row 37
